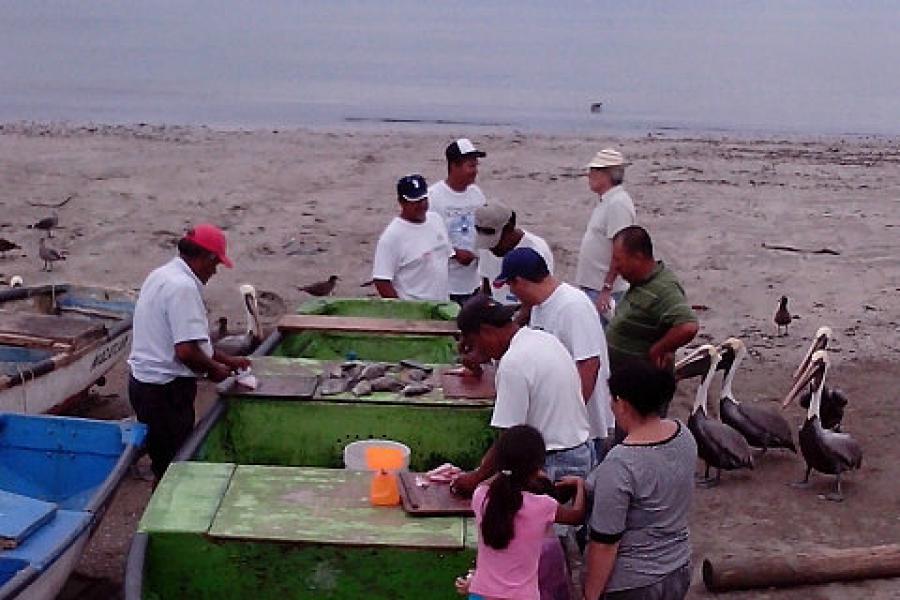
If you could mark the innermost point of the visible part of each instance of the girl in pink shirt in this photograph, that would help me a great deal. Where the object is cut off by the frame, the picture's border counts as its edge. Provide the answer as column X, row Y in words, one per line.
column 513, row 521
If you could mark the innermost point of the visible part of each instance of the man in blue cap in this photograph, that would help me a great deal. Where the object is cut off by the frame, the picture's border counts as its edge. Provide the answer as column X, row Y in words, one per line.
column 412, row 252
column 568, row 314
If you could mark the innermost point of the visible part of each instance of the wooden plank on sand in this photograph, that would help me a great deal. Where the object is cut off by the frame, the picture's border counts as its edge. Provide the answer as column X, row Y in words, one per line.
column 295, row 323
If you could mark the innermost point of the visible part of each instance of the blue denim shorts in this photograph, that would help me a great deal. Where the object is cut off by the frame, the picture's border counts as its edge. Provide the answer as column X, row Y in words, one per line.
column 573, row 461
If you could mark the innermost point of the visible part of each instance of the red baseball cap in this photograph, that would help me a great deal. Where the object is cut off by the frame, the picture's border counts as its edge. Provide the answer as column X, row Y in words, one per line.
column 209, row 237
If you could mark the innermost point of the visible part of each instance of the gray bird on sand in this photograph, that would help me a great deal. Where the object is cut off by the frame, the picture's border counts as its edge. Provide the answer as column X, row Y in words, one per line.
column 47, row 224
column 321, row 288
column 49, row 255
column 782, row 316
column 6, row 246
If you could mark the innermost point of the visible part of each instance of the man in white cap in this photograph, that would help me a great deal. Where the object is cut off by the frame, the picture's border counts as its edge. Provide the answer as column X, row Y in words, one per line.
column 595, row 273
column 496, row 236
column 412, row 252
column 456, row 199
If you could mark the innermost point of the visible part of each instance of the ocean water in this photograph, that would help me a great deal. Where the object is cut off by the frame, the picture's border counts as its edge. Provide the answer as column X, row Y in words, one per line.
column 799, row 67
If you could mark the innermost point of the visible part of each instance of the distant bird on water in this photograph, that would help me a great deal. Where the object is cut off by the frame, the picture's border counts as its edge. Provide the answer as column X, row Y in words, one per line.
column 321, row 288
column 49, row 255
column 6, row 246
column 782, row 316
column 47, row 224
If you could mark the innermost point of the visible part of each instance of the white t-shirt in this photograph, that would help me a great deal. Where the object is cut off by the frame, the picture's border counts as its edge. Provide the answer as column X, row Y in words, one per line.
column 538, row 385
column 571, row 316
column 489, row 265
column 458, row 211
column 169, row 311
column 413, row 257
column 613, row 213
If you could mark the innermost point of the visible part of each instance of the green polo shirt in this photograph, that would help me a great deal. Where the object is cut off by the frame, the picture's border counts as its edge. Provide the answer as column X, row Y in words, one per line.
column 648, row 310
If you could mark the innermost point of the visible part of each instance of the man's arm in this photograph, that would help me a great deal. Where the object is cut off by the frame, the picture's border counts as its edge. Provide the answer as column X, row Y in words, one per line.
column 587, row 372
column 465, row 483
column 192, row 356
column 662, row 352
column 386, row 289
column 599, row 564
column 235, row 362
column 606, row 287
column 463, row 257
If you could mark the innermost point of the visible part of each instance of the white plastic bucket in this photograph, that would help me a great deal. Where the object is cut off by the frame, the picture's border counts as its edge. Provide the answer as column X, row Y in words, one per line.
column 355, row 453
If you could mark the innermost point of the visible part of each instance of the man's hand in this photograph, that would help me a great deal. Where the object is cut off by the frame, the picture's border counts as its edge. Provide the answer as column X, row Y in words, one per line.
column 464, row 257
column 660, row 358
column 465, row 483
column 218, row 372
column 237, row 363
column 602, row 302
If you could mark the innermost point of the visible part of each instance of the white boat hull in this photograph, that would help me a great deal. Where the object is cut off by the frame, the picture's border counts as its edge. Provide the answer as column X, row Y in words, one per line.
column 50, row 583
column 51, row 389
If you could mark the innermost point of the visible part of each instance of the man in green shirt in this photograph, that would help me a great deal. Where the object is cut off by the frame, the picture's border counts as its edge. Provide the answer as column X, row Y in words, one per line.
column 654, row 319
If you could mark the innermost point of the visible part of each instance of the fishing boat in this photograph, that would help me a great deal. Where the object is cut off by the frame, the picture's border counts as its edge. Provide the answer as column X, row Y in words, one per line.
column 288, row 433
column 58, row 340
column 57, row 476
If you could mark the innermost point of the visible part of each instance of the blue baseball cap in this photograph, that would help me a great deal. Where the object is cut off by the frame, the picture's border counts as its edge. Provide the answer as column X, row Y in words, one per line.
column 412, row 188
column 522, row 262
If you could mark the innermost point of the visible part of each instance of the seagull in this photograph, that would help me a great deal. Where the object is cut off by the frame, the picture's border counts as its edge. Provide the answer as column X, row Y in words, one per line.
column 782, row 316
column 49, row 256
column 47, row 224
column 6, row 246
column 321, row 288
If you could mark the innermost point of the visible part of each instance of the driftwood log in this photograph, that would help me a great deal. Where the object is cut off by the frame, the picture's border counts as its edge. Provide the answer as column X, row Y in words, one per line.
column 822, row 566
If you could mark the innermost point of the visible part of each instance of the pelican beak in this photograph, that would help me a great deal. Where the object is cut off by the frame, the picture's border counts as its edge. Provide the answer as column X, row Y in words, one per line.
column 812, row 374
column 820, row 342
column 696, row 363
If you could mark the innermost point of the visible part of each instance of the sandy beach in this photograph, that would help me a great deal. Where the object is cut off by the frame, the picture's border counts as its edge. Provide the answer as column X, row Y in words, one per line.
column 741, row 221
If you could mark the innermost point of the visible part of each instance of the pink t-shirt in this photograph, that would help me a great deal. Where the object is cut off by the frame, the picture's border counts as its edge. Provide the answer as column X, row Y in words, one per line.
column 512, row 573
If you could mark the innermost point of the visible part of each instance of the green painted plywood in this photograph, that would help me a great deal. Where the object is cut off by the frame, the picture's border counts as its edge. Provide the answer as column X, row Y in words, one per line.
column 323, row 506
column 314, row 433
column 193, row 566
column 381, row 308
column 327, row 345
column 187, row 497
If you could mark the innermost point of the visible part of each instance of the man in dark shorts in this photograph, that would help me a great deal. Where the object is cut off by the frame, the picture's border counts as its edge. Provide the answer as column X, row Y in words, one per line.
column 171, row 346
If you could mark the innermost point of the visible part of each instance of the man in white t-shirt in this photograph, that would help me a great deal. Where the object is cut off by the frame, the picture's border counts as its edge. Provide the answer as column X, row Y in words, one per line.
column 411, row 255
column 170, row 345
column 456, row 199
column 497, row 234
column 568, row 314
column 595, row 273
column 537, row 384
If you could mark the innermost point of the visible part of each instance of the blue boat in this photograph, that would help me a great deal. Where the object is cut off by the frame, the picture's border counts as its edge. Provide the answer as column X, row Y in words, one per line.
column 57, row 476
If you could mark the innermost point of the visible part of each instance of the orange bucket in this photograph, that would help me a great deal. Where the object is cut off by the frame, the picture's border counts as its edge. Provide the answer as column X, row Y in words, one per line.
column 384, row 462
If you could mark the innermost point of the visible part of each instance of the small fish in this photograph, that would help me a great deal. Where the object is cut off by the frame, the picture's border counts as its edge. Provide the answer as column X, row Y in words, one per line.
column 331, row 387
column 373, row 371
column 414, row 364
column 363, row 388
column 415, row 389
column 386, row 384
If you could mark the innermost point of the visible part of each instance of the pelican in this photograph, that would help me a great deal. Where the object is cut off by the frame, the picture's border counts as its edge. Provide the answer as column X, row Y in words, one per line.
column 718, row 445
column 825, row 451
column 833, row 400
column 761, row 428
column 244, row 343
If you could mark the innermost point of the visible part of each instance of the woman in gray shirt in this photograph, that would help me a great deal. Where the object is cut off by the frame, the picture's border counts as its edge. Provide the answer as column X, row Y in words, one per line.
column 639, row 547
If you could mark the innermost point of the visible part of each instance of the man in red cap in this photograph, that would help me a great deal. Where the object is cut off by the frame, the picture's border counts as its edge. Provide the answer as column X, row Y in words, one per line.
column 171, row 347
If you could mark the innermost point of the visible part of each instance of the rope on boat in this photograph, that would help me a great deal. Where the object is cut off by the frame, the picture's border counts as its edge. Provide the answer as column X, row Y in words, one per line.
column 23, row 379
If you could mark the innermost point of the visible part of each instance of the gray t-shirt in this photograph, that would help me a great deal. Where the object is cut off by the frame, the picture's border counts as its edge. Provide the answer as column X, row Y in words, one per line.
column 642, row 497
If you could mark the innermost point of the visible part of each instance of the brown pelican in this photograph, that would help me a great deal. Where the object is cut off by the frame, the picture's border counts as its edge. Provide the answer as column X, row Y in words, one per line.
column 718, row 445
column 321, row 288
column 244, row 343
column 48, row 255
column 761, row 428
column 782, row 316
column 825, row 451
column 47, row 224
column 833, row 400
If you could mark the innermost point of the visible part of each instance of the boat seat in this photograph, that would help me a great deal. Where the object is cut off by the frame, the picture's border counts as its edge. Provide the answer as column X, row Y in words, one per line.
column 69, row 330
column 47, row 543
column 20, row 516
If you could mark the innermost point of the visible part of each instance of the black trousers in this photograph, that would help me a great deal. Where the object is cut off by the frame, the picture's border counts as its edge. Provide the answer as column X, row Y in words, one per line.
column 673, row 586
column 168, row 412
